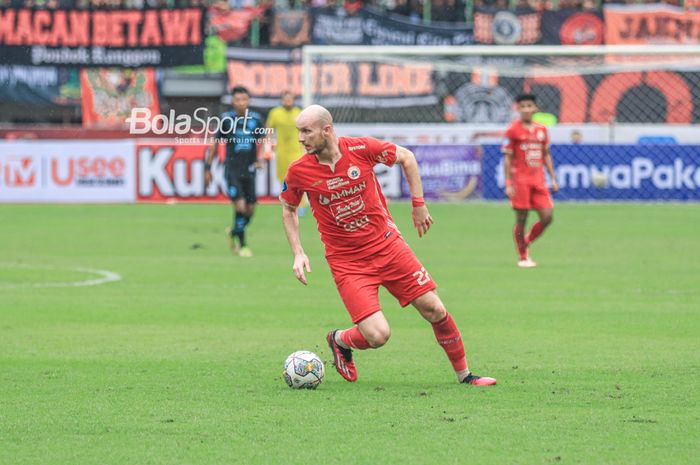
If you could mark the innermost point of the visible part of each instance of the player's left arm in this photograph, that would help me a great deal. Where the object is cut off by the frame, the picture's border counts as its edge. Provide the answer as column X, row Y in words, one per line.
column 549, row 164
column 421, row 217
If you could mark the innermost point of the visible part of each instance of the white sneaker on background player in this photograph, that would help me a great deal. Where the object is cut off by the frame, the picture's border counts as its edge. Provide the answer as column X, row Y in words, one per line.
column 527, row 263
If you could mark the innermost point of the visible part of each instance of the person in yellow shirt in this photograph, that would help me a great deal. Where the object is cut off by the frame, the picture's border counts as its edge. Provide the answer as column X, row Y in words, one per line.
column 282, row 119
column 287, row 148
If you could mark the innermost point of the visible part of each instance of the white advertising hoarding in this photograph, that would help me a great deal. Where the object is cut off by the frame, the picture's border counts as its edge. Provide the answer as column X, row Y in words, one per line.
column 58, row 171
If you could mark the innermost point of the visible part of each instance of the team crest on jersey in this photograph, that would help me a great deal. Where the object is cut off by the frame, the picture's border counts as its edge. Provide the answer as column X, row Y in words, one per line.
column 353, row 172
column 540, row 135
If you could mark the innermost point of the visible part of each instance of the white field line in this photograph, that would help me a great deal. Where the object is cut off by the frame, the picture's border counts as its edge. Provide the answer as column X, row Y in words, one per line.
column 103, row 277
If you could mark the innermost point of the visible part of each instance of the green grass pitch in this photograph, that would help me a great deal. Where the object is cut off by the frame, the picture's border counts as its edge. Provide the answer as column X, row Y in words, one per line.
column 596, row 351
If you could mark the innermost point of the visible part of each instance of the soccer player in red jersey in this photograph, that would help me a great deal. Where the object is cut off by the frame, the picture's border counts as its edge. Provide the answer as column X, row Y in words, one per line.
column 526, row 151
column 364, row 248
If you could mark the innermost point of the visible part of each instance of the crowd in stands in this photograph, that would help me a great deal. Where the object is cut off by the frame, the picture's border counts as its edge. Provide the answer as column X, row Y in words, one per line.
column 441, row 10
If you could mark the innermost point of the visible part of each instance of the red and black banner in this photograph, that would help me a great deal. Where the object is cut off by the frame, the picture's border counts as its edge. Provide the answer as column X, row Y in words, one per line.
column 571, row 26
column 103, row 38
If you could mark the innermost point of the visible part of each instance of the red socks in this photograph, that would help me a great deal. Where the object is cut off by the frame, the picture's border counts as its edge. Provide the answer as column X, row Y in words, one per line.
column 354, row 339
column 519, row 237
column 446, row 333
column 535, row 232
column 448, row 337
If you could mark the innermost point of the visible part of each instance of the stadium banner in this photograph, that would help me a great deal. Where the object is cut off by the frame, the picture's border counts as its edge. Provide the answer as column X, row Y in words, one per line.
column 651, row 24
column 570, row 26
column 375, row 91
column 614, row 172
column 174, row 171
column 86, row 38
column 373, row 27
column 361, row 88
column 233, row 25
column 448, row 172
column 39, row 85
column 109, row 94
column 505, row 27
column 652, row 97
column 57, row 171
column 290, row 28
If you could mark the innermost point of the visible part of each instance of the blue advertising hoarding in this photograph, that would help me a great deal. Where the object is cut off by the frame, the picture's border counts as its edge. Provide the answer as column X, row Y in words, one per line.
column 611, row 172
column 448, row 172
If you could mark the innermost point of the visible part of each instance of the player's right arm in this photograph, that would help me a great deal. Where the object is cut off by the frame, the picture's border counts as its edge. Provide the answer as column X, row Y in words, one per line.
column 290, row 198
column 507, row 150
column 290, row 220
column 213, row 148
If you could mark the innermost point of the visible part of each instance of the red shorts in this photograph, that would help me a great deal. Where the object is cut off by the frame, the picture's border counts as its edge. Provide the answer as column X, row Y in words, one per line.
column 395, row 267
column 531, row 196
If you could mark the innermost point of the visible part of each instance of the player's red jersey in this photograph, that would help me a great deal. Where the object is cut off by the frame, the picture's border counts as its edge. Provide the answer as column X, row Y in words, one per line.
column 346, row 201
column 528, row 147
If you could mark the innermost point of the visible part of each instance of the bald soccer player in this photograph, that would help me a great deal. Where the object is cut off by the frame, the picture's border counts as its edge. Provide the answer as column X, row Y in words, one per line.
column 364, row 248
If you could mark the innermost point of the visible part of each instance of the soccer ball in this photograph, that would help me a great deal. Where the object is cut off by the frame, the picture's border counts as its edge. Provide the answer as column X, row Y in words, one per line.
column 303, row 370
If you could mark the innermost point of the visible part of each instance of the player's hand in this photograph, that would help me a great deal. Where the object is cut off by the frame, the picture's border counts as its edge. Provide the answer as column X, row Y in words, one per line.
column 555, row 186
column 421, row 219
column 301, row 264
column 207, row 177
column 510, row 191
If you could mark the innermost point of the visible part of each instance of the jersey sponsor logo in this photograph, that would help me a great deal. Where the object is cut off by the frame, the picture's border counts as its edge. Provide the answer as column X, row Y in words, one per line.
column 349, row 213
column 347, row 208
column 334, row 183
column 383, row 157
column 356, row 224
column 341, row 194
column 356, row 147
column 353, row 172
column 316, row 183
column 533, row 158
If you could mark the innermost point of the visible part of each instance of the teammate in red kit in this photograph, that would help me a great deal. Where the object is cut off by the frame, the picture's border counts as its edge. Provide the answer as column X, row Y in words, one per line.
column 526, row 151
column 364, row 248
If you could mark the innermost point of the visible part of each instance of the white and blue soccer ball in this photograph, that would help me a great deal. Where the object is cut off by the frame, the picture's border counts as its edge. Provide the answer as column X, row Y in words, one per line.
column 303, row 370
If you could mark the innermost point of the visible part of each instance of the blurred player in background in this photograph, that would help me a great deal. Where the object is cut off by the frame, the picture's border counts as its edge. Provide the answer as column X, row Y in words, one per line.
column 241, row 130
column 282, row 119
column 526, row 154
column 364, row 248
column 287, row 148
